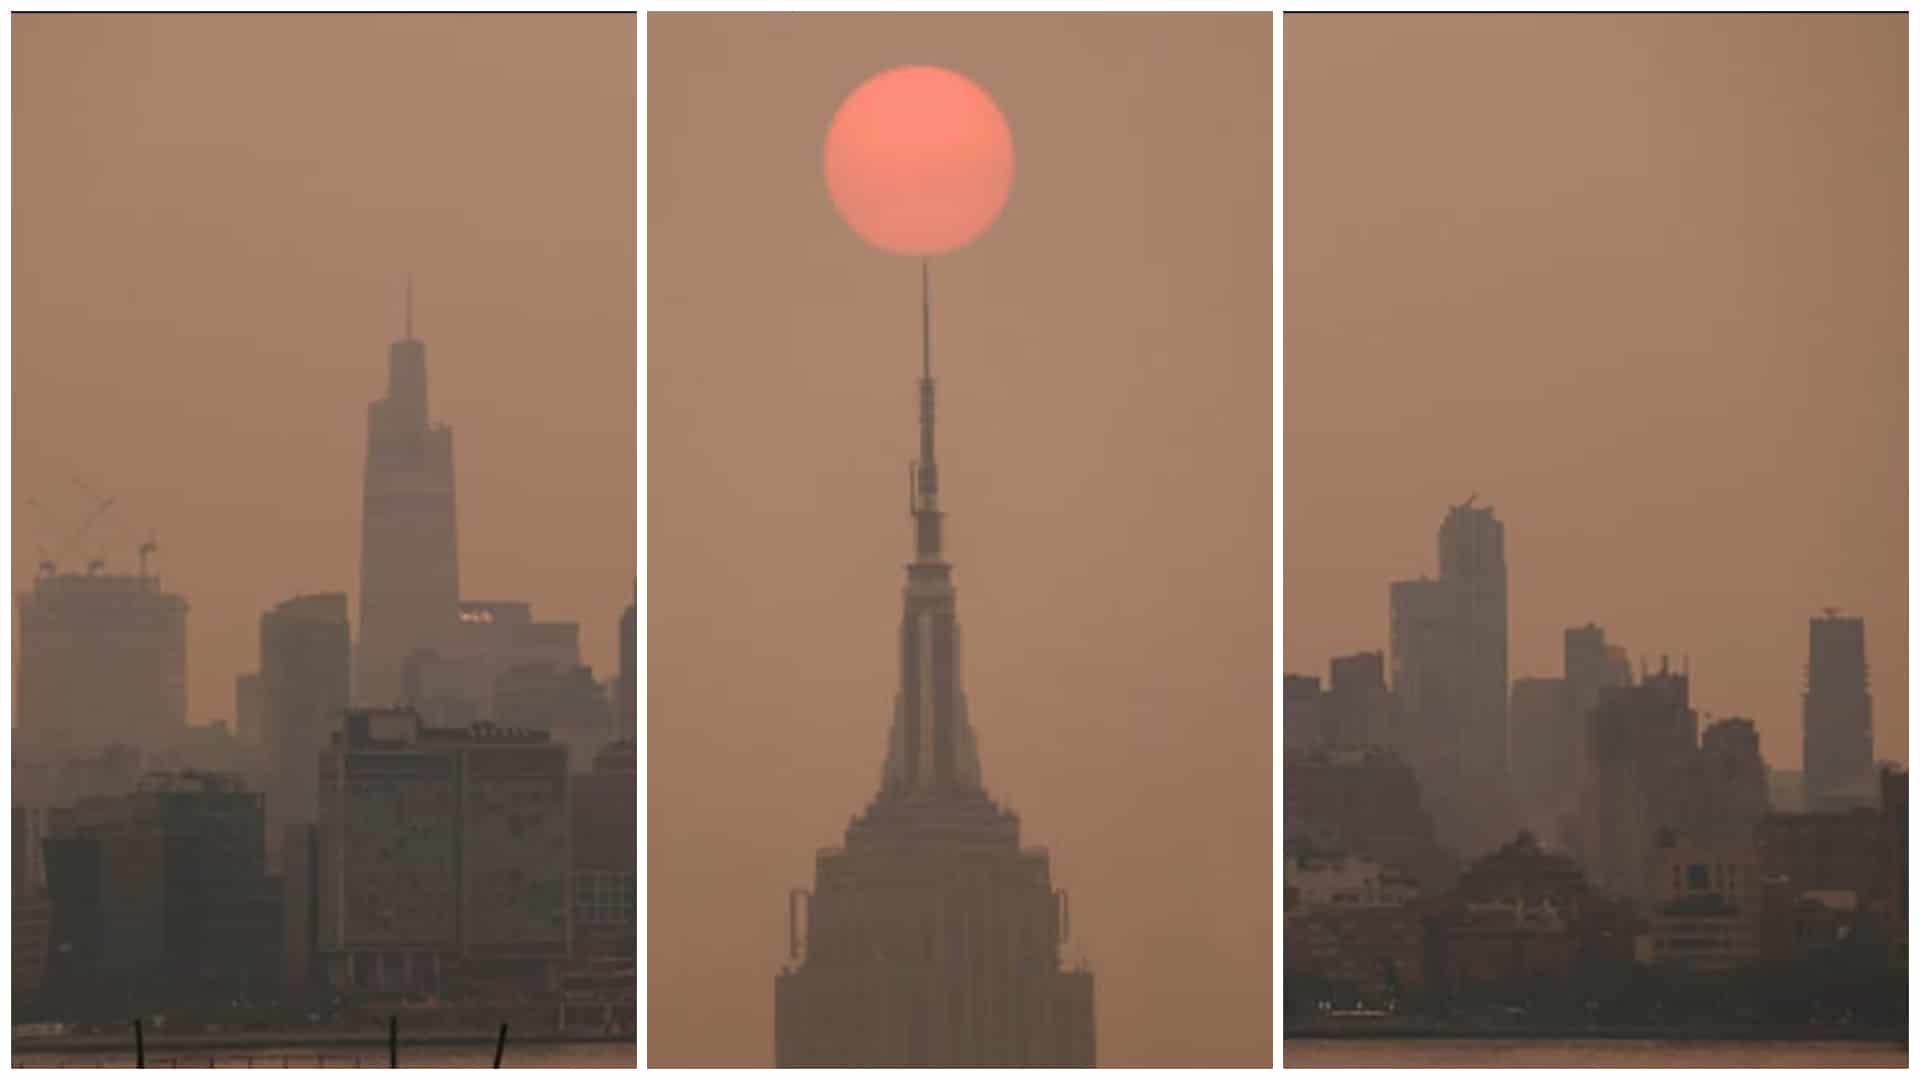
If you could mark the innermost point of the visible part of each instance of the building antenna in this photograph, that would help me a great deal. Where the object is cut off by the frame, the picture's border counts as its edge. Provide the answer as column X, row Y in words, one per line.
column 926, row 322
column 409, row 305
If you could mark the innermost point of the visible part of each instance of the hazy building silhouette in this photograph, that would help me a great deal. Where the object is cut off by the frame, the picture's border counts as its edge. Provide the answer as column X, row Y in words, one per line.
column 453, row 683
column 1732, row 784
column 626, row 699
column 160, row 896
column 249, row 709
column 931, row 937
column 445, row 862
column 1591, row 665
column 1302, row 727
column 103, row 660
column 409, row 556
column 1787, row 791
column 1358, row 707
column 564, row 702
column 1542, row 757
column 305, row 659
column 1838, row 717
column 1449, row 646
column 1646, row 739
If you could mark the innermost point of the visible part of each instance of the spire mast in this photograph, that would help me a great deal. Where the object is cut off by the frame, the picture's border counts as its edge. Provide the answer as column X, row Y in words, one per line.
column 409, row 305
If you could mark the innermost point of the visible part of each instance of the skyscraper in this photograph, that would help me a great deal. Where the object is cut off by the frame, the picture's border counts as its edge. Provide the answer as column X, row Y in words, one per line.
column 1449, row 662
column 103, row 661
column 1473, row 560
column 409, row 563
column 1838, row 715
column 304, row 679
column 931, row 937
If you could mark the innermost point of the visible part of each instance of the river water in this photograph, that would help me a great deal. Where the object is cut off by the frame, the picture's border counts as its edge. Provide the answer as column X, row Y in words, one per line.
column 527, row 1055
column 1587, row 1053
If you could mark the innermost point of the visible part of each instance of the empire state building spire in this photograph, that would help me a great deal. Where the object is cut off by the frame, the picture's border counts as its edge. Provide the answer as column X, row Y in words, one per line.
column 930, row 750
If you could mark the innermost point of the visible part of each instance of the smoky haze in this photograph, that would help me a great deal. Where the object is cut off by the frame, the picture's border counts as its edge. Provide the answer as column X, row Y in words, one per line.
column 213, row 217
column 1104, row 354
column 1640, row 283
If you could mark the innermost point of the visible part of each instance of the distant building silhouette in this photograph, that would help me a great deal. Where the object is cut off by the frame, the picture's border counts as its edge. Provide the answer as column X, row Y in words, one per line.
column 444, row 858
column 1838, row 715
column 103, row 660
column 409, row 558
column 564, row 702
column 1645, row 742
column 1449, row 663
column 453, row 683
column 1543, row 760
column 1301, row 725
column 249, row 710
column 1787, row 791
column 1358, row 708
column 305, row 659
column 931, row 937
column 626, row 703
column 1732, row 785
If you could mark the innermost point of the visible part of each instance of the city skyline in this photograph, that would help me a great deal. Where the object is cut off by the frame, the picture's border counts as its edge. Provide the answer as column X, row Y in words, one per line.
column 1653, row 310
column 243, row 262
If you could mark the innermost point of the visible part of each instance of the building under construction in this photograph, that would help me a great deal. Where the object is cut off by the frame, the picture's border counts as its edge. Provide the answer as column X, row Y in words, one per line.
column 103, row 660
column 931, row 938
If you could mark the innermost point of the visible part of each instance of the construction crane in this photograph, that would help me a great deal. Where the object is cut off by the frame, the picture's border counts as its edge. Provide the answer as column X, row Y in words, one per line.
column 100, row 508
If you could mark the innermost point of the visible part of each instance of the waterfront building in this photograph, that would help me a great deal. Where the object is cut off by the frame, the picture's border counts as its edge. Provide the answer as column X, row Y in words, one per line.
column 445, row 855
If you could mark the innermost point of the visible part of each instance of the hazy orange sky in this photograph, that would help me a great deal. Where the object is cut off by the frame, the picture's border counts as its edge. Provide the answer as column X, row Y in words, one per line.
column 1638, row 281
column 213, row 217
column 1105, row 362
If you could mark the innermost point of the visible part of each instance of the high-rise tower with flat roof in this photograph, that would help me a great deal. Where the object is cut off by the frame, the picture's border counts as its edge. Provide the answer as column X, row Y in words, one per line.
column 931, row 937
column 409, row 562
column 1838, row 715
column 103, row 661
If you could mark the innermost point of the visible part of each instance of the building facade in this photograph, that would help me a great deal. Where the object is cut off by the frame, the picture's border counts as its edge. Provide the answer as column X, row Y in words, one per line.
column 445, row 858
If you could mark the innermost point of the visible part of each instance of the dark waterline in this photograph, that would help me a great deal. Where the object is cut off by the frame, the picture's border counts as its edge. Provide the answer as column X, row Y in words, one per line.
column 1497, row 1053
column 369, row 1054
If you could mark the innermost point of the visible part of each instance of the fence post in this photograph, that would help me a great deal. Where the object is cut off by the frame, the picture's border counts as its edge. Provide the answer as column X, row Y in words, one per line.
column 393, row 1041
column 139, row 1046
column 500, row 1048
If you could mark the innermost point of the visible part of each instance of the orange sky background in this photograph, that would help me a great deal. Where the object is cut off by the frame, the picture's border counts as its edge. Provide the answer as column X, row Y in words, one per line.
column 213, row 216
column 1638, row 281
column 1105, row 362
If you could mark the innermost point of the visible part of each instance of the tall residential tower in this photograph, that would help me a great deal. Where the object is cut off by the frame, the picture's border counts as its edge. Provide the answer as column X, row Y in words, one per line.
column 1838, row 715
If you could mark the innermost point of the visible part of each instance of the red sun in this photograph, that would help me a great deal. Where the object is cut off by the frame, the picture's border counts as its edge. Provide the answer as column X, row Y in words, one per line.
column 919, row 160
